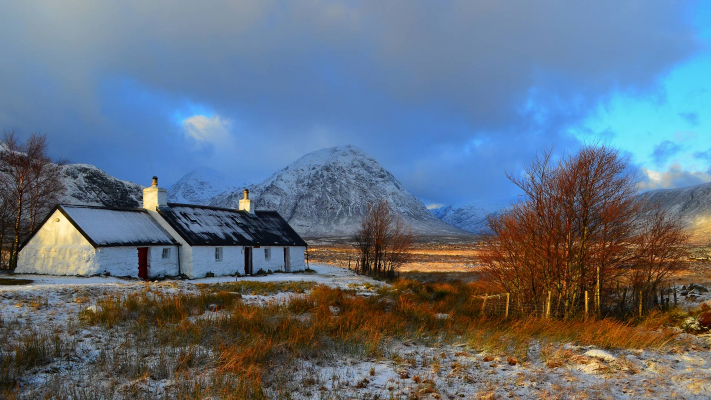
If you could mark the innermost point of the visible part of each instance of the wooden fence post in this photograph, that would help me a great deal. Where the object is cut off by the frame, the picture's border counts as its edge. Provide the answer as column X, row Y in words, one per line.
column 640, row 304
column 675, row 295
column 548, row 305
column 483, row 305
column 508, row 295
column 586, row 304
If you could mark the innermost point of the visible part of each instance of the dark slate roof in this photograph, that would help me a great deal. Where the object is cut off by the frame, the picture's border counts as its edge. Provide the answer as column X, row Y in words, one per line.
column 213, row 226
column 104, row 227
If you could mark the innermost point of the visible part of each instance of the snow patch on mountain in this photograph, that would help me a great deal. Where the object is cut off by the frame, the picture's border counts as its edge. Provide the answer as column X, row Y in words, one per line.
column 199, row 187
column 326, row 193
column 88, row 185
column 690, row 205
column 471, row 218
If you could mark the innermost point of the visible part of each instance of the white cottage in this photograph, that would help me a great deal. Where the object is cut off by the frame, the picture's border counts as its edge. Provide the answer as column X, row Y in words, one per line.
column 162, row 239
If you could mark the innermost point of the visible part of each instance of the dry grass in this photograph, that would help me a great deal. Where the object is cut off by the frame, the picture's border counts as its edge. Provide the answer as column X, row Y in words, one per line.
column 244, row 351
column 250, row 342
column 23, row 350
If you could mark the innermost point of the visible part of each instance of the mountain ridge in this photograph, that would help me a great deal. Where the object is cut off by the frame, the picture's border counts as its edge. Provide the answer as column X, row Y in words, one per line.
column 327, row 192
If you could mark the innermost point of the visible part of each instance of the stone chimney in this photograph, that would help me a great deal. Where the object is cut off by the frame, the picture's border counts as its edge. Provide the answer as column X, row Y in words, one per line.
column 154, row 196
column 246, row 204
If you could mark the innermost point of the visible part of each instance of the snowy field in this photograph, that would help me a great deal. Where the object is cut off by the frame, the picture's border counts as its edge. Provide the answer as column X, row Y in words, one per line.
column 99, row 362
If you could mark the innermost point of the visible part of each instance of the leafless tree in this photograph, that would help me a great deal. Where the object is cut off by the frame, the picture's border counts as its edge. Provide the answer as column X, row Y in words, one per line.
column 31, row 185
column 383, row 241
column 578, row 229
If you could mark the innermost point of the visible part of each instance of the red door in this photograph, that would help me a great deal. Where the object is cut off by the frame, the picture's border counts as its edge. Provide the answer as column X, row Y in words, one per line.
column 248, row 261
column 143, row 263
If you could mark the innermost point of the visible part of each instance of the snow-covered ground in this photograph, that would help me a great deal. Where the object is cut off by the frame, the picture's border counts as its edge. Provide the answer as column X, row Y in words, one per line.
column 437, row 370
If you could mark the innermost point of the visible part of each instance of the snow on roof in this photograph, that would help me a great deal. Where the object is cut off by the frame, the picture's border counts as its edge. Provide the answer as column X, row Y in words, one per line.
column 117, row 227
column 213, row 226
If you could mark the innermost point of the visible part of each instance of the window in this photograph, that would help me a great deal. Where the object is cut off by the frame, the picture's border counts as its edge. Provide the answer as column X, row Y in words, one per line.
column 268, row 254
column 166, row 253
column 218, row 253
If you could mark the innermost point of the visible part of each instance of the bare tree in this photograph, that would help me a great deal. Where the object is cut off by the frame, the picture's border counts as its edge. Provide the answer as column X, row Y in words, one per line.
column 577, row 230
column 383, row 241
column 31, row 185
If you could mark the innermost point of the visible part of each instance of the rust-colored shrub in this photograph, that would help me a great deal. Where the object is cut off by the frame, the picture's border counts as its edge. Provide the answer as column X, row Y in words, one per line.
column 705, row 319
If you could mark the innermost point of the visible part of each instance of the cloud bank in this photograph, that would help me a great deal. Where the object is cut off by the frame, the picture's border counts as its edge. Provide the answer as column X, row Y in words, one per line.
column 447, row 95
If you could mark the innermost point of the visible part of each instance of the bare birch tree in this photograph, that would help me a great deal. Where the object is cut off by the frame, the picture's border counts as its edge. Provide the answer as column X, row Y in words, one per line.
column 383, row 241
column 31, row 185
column 578, row 229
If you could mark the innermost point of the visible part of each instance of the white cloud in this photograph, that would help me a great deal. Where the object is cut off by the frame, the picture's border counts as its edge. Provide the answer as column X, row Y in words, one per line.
column 208, row 130
column 674, row 177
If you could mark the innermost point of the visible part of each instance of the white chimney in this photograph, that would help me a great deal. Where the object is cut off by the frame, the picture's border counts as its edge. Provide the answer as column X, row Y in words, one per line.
column 154, row 196
column 246, row 204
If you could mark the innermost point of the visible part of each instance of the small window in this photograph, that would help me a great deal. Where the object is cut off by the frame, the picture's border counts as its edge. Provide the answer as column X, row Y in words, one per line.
column 267, row 254
column 166, row 253
column 218, row 253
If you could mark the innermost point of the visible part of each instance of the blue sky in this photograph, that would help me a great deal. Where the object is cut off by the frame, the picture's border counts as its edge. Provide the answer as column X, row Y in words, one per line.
column 449, row 96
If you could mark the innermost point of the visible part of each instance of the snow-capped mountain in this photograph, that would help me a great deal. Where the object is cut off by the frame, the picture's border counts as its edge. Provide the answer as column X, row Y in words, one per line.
column 471, row 218
column 198, row 187
column 327, row 192
column 88, row 185
column 691, row 205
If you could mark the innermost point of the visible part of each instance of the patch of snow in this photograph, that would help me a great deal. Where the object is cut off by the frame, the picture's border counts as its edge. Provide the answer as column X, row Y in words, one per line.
column 601, row 354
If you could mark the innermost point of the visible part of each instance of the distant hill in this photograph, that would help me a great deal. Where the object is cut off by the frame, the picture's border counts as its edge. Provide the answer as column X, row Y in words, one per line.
column 198, row 187
column 471, row 218
column 691, row 205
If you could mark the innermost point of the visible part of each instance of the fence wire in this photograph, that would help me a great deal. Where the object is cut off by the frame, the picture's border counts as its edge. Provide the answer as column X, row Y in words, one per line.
column 626, row 302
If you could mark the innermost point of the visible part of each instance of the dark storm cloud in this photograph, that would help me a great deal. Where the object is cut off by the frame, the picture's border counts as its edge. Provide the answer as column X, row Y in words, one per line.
column 447, row 95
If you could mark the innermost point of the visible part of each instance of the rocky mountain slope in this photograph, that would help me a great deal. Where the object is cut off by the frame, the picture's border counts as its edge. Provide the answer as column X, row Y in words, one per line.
column 88, row 185
column 198, row 187
column 691, row 205
column 326, row 193
column 471, row 218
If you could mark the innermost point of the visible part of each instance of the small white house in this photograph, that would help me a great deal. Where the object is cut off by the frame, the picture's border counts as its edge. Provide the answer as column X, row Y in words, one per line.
column 79, row 240
column 162, row 239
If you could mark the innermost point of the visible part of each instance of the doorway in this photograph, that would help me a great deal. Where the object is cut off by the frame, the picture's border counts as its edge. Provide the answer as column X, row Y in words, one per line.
column 143, row 263
column 248, row 261
column 287, row 260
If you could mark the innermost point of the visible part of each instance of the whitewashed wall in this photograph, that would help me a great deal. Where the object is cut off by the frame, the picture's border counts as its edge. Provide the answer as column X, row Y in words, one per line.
column 123, row 261
column 276, row 261
column 118, row 261
column 204, row 261
column 58, row 249
column 297, row 258
column 158, row 266
column 186, row 251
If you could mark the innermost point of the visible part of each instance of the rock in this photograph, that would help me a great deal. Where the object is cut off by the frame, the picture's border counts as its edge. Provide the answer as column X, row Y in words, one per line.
column 698, row 288
column 691, row 325
column 601, row 354
column 442, row 316
column 94, row 309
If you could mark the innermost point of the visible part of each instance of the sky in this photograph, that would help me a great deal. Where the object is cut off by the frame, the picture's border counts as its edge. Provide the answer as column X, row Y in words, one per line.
column 447, row 95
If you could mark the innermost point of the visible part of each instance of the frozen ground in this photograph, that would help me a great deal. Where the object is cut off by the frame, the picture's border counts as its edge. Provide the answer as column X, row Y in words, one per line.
column 407, row 370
